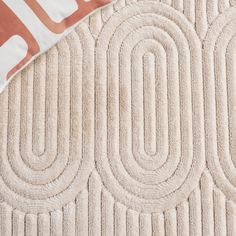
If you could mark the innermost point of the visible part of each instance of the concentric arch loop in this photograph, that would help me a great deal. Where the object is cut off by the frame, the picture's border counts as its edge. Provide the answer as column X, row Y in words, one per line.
column 64, row 100
column 163, row 176
column 219, row 76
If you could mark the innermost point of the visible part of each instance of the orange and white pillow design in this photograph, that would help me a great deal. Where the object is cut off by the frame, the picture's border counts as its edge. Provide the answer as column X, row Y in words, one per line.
column 30, row 27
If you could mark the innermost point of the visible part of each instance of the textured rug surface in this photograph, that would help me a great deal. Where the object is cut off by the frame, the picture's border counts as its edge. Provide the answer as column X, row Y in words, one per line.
column 126, row 127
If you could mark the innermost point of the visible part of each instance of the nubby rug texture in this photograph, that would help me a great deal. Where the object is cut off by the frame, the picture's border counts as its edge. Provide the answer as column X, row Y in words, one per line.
column 126, row 127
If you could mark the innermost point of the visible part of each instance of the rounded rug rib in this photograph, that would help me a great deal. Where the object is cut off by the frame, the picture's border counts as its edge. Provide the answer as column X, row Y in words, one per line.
column 126, row 127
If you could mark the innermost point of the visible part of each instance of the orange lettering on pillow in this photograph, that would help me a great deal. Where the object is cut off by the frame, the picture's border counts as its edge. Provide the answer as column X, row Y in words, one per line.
column 84, row 8
column 11, row 25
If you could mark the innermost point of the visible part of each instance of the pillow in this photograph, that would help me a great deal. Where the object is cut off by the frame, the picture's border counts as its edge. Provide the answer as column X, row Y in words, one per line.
column 30, row 27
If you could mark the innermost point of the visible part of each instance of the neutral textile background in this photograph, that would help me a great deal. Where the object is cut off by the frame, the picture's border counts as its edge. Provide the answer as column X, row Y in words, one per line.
column 126, row 127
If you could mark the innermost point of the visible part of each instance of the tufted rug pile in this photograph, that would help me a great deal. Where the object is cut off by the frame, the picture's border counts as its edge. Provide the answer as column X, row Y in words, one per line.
column 126, row 127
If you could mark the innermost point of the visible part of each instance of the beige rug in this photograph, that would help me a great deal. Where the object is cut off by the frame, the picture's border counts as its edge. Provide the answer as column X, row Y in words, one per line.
column 126, row 127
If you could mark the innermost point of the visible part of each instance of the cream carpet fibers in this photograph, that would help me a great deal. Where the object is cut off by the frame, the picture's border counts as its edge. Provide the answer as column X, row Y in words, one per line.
column 126, row 127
